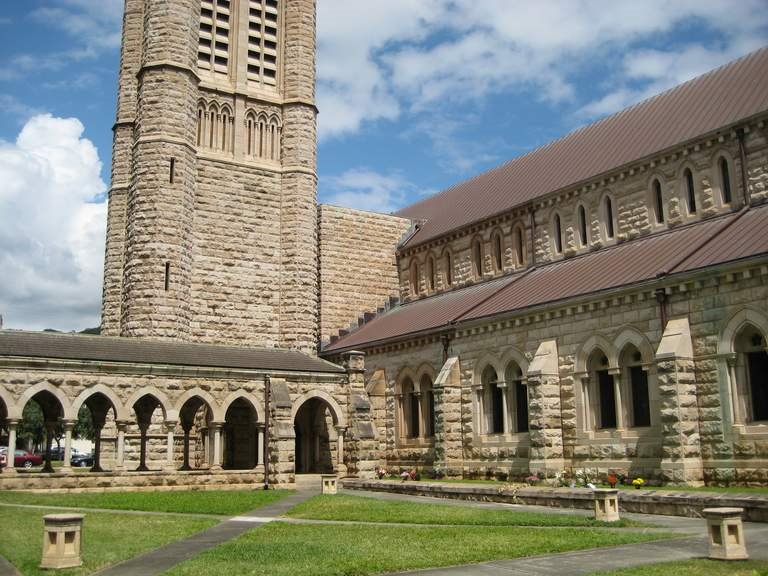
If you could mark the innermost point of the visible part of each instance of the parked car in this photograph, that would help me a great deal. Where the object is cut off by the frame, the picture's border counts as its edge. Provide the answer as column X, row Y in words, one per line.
column 25, row 459
column 82, row 460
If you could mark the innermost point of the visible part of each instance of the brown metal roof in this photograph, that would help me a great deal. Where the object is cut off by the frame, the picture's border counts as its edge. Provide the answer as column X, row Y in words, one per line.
column 716, row 241
column 716, row 100
column 134, row 350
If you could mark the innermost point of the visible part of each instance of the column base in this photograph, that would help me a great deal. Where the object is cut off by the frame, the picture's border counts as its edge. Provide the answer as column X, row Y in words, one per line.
column 216, row 468
column 66, row 470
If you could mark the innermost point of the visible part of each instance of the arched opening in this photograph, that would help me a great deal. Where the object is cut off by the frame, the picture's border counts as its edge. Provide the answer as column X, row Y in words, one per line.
column 92, row 418
column 144, row 409
column 519, row 396
column 752, row 372
column 498, row 252
column 493, row 392
column 725, row 180
column 241, row 437
column 40, row 426
column 448, row 268
column 557, row 233
column 414, row 277
column 195, row 418
column 477, row 258
column 690, row 191
column 519, row 245
column 315, row 437
column 409, row 409
column 431, row 273
column 608, row 225
column 637, row 394
column 658, row 201
column 583, row 238
column 602, row 391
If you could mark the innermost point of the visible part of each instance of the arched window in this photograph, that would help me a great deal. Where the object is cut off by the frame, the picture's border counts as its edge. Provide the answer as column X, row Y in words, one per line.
column 431, row 273
column 477, row 258
column 658, row 201
column 409, row 409
column 519, row 397
column 725, row 180
column 751, row 372
column 636, row 390
column 519, row 245
column 498, row 252
column 493, row 402
column 583, row 238
column 427, row 406
column 414, row 277
column 557, row 234
column 690, row 191
column 608, row 225
column 448, row 268
column 600, row 397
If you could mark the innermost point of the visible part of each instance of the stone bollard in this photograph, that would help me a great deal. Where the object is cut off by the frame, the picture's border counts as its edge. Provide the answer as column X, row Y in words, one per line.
column 328, row 484
column 61, row 541
column 606, row 504
column 726, row 533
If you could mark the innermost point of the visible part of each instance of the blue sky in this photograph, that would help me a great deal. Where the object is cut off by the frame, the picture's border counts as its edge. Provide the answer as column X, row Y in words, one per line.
column 414, row 96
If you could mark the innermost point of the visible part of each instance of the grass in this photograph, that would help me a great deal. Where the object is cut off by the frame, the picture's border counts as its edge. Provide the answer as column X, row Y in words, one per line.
column 279, row 549
column 361, row 509
column 695, row 568
column 220, row 502
column 107, row 538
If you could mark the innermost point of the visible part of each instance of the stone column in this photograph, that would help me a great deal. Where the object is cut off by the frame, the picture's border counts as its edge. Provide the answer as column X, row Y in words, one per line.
column 545, row 416
column 120, row 448
column 479, row 393
column 170, row 428
column 143, row 427
column 416, row 398
column 216, row 464
column 340, row 431
column 504, row 406
column 587, row 408
column 12, row 424
column 619, row 404
column 69, row 425
column 733, row 387
column 260, row 444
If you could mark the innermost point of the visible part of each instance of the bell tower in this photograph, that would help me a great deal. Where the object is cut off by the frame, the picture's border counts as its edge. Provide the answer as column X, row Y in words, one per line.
column 212, row 222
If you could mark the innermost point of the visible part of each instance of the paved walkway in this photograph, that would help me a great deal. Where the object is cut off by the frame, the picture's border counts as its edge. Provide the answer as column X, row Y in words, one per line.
column 164, row 558
column 7, row 569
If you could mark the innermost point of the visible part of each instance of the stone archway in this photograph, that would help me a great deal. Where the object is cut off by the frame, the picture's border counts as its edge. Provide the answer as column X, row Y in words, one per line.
column 317, row 437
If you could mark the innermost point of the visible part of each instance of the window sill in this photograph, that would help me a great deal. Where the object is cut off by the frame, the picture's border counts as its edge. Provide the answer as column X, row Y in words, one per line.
column 520, row 438
column 416, row 443
column 754, row 430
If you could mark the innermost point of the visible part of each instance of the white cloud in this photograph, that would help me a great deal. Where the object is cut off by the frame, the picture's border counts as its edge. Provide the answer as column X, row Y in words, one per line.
column 51, row 235
column 379, row 60
column 366, row 189
column 94, row 24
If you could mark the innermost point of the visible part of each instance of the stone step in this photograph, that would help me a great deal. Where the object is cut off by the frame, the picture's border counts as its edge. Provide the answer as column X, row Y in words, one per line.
column 308, row 481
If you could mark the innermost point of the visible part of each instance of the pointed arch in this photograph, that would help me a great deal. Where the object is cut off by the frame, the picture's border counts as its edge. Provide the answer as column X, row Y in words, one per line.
column 747, row 316
column 477, row 257
column 336, row 412
column 165, row 405
column 688, row 189
column 520, row 245
column 242, row 395
column 608, row 217
column 447, row 265
column 557, row 233
column 595, row 342
column 582, row 225
column 514, row 355
column 482, row 363
column 26, row 396
column 205, row 397
column 498, row 250
column 630, row 335
column 120, row 411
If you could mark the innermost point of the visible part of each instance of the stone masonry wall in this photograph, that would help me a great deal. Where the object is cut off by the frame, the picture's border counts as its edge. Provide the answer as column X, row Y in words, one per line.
column 357, row 264
column 690, row 391
column 630, row 190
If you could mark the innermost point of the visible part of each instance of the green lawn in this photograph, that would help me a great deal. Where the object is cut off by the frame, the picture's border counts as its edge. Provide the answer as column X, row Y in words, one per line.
column 221, row 502
column 695, row 568
column 361, row 509
column 107, row 538
column 279, row 549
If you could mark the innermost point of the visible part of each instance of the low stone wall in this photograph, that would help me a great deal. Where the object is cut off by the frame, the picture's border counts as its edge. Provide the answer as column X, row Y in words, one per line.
column 645, row 501
column 133, row 481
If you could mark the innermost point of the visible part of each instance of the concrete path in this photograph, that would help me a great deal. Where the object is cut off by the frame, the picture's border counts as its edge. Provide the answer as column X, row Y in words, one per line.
column 164, row 558
column 7, row 569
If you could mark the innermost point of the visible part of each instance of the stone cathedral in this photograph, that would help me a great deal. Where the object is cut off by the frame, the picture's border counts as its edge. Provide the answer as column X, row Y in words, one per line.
column 599, row 303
